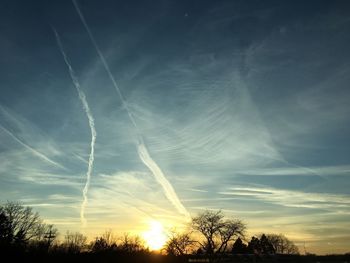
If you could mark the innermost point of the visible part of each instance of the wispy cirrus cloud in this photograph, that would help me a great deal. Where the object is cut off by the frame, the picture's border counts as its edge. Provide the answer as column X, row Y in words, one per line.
column 299, row 171
column 224, row 125
column 31, row 149
column 292, row 198
column 243, row 107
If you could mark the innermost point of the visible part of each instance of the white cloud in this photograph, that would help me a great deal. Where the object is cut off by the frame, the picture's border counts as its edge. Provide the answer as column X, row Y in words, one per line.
column 292, row 198
column 287, row 171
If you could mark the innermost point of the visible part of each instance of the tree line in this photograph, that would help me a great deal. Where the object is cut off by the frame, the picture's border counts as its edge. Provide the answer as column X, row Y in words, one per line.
column 210, row 233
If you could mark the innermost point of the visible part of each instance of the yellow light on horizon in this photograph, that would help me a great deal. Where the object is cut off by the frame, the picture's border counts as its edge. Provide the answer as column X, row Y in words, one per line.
column 155, row 236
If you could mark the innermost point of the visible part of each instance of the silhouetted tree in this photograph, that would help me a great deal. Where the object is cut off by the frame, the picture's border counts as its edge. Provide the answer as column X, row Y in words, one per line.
column 20, row 225
column 217, row 231
column 131, row 244
column 271, row 244
column 254, row 246
column 265, row 245
column 110, row 238
column 239, row 247
column 6, row 234
column 74, row 242
column 106, row 242
column 99, row 245
column 179, row 244
column 282, row 245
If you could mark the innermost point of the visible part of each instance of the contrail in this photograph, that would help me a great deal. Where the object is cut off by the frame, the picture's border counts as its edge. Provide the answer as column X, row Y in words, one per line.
column 91, row 124
column 104, row 62
column 158, row 174
column 142, row 149
column 32, row 150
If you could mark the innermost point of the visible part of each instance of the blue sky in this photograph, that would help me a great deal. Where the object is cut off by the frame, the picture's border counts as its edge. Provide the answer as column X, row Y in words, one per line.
column 241, row 105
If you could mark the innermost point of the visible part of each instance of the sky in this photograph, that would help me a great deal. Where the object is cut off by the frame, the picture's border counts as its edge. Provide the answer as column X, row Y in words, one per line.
column 114, row 114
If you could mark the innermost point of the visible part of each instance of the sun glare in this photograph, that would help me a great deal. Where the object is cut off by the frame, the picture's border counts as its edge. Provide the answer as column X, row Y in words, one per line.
column 155, row 236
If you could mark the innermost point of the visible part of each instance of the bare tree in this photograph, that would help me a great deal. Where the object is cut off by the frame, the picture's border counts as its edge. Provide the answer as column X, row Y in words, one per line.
column 21, row 225
column 109, row 237
column 217, row 231
column 131, row 244
column 105, row 242
column 74, row 242
column 179, row 244
column 282, row 244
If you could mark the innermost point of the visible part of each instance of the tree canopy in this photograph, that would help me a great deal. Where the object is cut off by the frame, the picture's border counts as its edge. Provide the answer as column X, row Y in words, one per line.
column 218, row 232
column 20, row 226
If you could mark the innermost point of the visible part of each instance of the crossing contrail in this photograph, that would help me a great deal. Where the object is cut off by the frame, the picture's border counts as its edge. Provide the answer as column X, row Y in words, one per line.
column 87, row 110
column 142, row 149
column 32, row 150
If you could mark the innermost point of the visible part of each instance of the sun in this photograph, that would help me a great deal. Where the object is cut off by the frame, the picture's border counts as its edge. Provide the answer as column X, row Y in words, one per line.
column 155, row 236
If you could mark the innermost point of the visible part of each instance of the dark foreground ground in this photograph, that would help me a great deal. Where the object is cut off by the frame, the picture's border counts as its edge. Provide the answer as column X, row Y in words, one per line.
column 153, row 258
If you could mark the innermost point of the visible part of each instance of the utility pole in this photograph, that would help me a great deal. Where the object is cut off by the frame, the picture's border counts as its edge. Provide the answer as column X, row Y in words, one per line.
column 50, row 236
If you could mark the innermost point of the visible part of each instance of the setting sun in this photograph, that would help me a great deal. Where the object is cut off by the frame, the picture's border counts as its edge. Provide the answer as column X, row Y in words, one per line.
column 155, row 236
